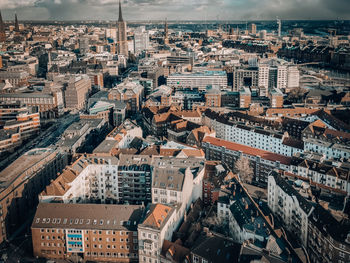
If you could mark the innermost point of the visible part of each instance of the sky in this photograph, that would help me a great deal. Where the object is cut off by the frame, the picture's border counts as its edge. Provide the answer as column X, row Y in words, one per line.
column 175, row 9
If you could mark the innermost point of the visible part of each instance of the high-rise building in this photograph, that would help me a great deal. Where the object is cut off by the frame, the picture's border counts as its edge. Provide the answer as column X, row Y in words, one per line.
column 77, row 91
column 141, row 40
column 83, row 45
column 121, row 37
column 252, row 28
column 279, row 24
column 2, row 30
column 166, row 38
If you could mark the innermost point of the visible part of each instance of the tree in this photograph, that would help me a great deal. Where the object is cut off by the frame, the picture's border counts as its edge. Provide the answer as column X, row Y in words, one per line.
column 244, row 170
column 297, row 94
column 259, row 195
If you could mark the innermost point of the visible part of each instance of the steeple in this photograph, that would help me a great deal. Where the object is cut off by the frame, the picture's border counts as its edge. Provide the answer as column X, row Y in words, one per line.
column 120, row 13
column 16, row 23
column 2, row 30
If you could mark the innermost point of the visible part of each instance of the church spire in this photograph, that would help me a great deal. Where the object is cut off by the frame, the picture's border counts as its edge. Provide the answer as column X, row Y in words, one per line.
column 2, row 30
column 16, row 23
column 120, row 13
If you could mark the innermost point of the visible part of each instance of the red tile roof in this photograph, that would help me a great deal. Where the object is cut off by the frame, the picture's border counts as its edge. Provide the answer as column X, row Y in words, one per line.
column 248, row 150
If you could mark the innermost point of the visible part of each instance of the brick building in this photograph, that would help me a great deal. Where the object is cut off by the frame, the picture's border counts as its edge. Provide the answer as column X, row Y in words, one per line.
column 88, row 231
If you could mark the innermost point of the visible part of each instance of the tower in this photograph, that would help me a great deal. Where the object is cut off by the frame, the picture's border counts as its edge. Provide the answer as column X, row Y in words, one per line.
column 166, row 38
column 2, row 30
column 121, row 37
column 16, row 24
column 279, row 27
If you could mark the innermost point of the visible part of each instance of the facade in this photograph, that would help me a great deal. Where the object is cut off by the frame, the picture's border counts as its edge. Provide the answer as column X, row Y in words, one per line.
column 328, row 239
column 18, row 123
column 104, row 179
column 131, row 93
column 122, row 40
column 200, row 80
column 76, row 92
column 263, row 162
column 141, row 40
column 245, row 77
column 328, row 149
column 289, row 206
column 158, row 225
column 245, row 98
column 90, row 232
column 267, row 139
column 22, row 181
column 50, row 104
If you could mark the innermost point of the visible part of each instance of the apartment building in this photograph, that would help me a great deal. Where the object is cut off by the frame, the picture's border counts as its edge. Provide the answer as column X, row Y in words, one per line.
column 328, row 175
column 267, row 138
column 129, row 92
column 289, row 206
column 329, row 238
column 22, row 181
column 330, row 150
column 261, row 161
column 158, row 225
column 103, row 178
column 89, row 232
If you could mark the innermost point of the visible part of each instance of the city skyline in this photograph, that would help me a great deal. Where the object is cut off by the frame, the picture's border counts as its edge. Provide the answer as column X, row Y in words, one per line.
column 135, row 10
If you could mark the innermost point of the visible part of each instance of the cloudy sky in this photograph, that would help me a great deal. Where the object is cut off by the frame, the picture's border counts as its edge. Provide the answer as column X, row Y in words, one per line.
column 175, row 9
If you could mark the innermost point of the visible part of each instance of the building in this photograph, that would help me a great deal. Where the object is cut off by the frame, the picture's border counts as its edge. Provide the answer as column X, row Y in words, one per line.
column 17, row 124
column 17, row 78
column 215, row 248
column 105, row 179
column 76, row 92
column 289, row 207
column 141, row 40
column 90, row 232
column 199, row 80
column 276, row 98
column 253, row 132
column 2, row 30
column 81, row 133
column 166, row 33
column 247, row 224
column 122, row 40
column 328, row 239
column 84, row 47
column 252, row 28
column 50, row 104
column 245, row 77
column 245, row 98
column 22, row 181
column 131, row 93
column 263, row 162
column 158, row 225
column 330, row 150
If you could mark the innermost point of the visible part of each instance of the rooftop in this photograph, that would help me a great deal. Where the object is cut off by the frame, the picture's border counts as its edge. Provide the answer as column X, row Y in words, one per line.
column 87, row 216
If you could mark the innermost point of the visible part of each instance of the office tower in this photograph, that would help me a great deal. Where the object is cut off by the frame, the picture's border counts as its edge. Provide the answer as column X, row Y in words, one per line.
column 141, row 40
column 166, row 38
column 121, row 37
column 279, row 27
column 252, row 28
column 263, row 81
column 2, row 30
column 83, row 45
column 16, row 24
column 77, row 91
column 293, row 77
column 263, row 34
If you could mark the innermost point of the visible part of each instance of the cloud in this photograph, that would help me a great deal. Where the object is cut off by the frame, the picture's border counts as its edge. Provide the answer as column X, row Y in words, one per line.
column 176, row 9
